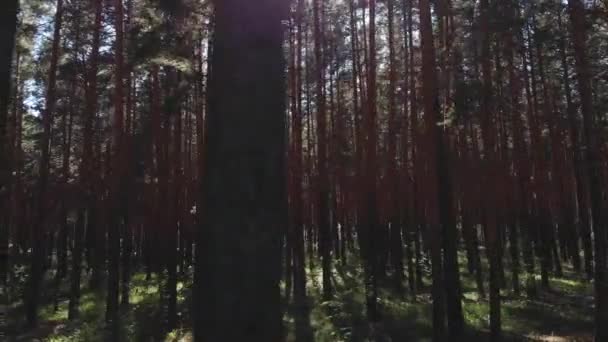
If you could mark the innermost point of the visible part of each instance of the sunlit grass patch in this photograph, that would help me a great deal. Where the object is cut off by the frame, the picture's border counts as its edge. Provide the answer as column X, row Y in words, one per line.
column 48, row 312
column 572, row 285
column 142, row 289
column 179, row 335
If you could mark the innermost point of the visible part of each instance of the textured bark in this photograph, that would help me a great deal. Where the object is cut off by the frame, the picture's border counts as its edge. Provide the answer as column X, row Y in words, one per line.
column 8, row 28
column 447, row 211
column 579, row 166
column 67, row 119
column 129, row 160
column 244, row 189
column 519, row 154
column 302, row 320
column 543, row 165
column 489, row 145
column 39, row 229
column 449, row 204
column 392, row 186
column 591, row 142
column 369, row 225
column 435, row 185
column 117, row 191
column 323, row 220
column 16, row 189
column 415, row 151
column 527, row 222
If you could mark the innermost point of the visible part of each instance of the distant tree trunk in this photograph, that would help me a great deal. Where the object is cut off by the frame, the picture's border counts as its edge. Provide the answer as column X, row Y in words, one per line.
column 546, row 219
column 520, row 150
column 355, row 82
column 369, row 229
column 130, row 196
column 8, row 28
column 90, row 212
column 174, row 204
column 446, row 187
column 593, row 157
column 67, row 120
column 15, row 196
column 527, row 219
column 435, row 150
column 323, row 223
column 406, row 207
column 39, row 228
column 396, row 246
column 117, row 192
column 492, row 238
column 156, row 162
column 357, row 89
column 303, row 331
column 244, row 197
column 416, row 151
column 447, row 210
column 477, row 213
column 578, row 162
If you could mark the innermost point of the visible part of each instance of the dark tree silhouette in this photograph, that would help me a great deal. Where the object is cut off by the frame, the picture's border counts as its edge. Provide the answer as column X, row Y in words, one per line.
column 8, row 27
column 593, row 161
column 40, row 221
column 244, row 202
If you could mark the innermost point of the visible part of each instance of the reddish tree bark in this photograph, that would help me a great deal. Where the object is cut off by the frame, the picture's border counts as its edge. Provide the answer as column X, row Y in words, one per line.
column 39, row 228
column 323, row 223
column 593, row 159
column 489, row 146
column 8, row 29
column 117, row 191
column 435, row 151
column 240, row 233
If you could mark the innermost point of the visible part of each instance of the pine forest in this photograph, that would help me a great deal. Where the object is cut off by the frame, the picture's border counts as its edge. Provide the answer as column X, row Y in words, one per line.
column 303, row 170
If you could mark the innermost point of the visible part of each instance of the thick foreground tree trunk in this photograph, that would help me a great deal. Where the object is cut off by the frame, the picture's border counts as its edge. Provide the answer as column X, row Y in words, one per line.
column 435, row 150
column 238, row 266
column 593, row 163
column 8, row 27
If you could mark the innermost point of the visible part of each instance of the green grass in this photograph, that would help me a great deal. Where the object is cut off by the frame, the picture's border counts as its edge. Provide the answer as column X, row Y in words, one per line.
column 566, row 310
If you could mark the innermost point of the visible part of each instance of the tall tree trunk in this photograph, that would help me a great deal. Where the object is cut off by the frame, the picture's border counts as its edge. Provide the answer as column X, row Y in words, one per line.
column 591, row 141
column 396, row 246
column 130, row 198
column 39, row 228
column 323, row 224
column 244, row 197
column 303, row 331
column 370, row 225
column 446, row 192
column 15, row 206
column 492, row 239
column 520, row 151
column 435, row 185
column 8, row 29
column 578, row 163
column 415, row 150
column 86, row 169
column 63, row 233
column 116, row 181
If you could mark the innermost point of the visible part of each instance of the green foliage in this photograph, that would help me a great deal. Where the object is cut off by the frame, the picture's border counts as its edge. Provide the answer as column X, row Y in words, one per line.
column 563, row 311
column 179, row 63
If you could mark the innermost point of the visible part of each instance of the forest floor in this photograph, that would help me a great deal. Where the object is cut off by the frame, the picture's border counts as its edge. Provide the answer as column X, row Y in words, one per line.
column 565, row 313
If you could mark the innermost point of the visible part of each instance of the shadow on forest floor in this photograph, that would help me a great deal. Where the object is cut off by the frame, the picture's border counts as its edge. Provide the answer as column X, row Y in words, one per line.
column 562, row 314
